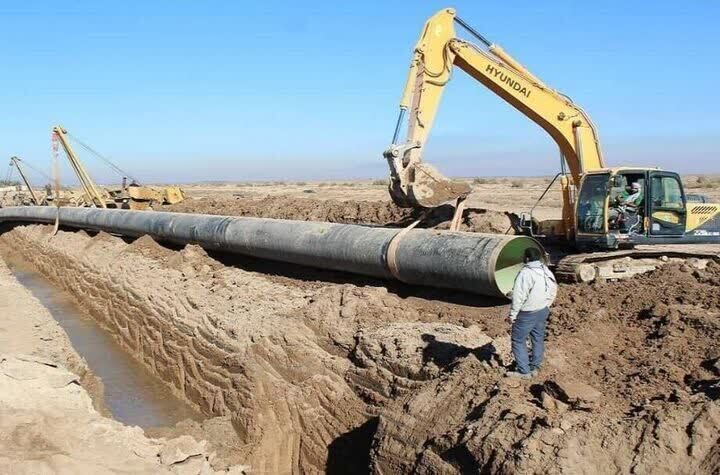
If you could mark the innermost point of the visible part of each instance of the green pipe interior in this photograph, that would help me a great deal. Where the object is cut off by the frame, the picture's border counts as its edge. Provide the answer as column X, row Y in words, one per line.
column 510, row 261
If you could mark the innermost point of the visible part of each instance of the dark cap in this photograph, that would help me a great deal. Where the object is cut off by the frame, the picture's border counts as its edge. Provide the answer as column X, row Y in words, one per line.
column 532, row 254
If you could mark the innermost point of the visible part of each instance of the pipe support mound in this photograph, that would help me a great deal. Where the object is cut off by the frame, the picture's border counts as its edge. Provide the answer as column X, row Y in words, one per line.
column 484, row 264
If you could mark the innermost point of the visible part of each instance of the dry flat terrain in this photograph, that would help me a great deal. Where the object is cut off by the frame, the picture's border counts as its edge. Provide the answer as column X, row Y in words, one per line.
column 304, row 371
column 499, row 194
column 514, row 195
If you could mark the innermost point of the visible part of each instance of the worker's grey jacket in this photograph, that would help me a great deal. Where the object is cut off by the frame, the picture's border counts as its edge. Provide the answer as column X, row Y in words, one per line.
column 535, row 288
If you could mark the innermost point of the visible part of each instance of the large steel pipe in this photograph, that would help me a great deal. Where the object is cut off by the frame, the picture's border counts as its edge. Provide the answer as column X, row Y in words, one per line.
column 480, row 263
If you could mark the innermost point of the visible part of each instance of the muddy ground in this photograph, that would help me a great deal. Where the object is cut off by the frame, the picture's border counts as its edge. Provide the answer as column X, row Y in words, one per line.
column 321, row 371
column 300, row 370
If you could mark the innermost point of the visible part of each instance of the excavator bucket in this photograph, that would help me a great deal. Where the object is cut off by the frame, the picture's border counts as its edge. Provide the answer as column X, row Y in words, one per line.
column 430, row 188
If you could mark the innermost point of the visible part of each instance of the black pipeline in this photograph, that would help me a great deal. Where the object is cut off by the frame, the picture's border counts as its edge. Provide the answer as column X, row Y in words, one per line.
column 484, row 264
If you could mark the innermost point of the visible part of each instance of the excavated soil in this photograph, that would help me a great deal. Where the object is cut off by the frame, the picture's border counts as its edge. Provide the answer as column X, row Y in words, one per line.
column 322, row 372
column 630, row 385
column 51, row 414
column 383, row 213
column 269, row 353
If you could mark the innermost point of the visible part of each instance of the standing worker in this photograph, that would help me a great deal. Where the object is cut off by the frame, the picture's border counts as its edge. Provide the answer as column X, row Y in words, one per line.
column 534, row 291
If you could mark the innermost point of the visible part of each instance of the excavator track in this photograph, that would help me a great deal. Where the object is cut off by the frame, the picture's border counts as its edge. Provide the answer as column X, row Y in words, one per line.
column 625, row 263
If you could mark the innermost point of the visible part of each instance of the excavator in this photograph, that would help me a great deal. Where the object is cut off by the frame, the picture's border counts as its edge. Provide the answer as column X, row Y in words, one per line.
column 132, row 196
column 596, row 236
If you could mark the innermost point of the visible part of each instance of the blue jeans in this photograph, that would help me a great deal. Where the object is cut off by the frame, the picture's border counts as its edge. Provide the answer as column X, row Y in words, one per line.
column 529, row 324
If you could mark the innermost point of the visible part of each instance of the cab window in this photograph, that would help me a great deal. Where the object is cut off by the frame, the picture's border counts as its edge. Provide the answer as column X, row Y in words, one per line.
column 591, row 204
column 667, row 206
column 621, row 185
column 666, row 192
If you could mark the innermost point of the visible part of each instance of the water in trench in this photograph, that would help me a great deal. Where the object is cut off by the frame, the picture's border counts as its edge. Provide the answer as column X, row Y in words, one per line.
column 132, row 394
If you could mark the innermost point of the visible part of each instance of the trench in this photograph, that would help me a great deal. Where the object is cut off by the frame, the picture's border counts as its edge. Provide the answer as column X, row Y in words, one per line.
column 131, row 394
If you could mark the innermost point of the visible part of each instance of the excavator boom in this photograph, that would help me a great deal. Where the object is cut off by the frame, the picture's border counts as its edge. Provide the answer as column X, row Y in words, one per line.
column 415, row 183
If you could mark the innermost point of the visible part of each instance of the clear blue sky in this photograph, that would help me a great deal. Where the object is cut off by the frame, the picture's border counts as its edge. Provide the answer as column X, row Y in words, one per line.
column 227, row 90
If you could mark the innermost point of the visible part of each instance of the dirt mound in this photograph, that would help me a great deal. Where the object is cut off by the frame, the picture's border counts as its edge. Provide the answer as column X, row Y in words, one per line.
column 15, row 198
column 49, row 426
column 651, row 334
column 340, row 375
column 269, row 353
column 637, row 358
column 383, row 213
column 303, row 209
column 222, row 339
column 48, row 421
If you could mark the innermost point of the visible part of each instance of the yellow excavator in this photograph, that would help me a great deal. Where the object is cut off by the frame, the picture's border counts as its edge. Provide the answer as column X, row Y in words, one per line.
column 594, row 216
column 132, row 196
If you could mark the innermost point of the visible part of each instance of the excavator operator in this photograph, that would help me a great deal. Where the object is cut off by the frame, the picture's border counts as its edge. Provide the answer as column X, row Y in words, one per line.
column 632, row 196
column 626, row 209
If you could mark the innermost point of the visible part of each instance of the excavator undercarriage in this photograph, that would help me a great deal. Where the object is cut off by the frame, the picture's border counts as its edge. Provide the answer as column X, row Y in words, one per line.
column 624, row 263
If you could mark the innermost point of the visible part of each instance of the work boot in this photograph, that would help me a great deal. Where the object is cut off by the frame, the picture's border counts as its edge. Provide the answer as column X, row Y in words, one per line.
column 517, row 374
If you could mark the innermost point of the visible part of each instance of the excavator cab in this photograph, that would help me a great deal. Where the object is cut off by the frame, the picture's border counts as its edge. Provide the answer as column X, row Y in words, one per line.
column 626, row 206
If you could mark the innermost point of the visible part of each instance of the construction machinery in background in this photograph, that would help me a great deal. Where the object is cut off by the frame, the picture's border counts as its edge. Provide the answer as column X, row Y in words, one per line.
column 34, row 198
column 132, row 195
column 665, row 223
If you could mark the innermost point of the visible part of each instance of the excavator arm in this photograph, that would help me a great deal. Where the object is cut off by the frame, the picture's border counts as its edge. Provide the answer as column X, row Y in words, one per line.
column 415, row 183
